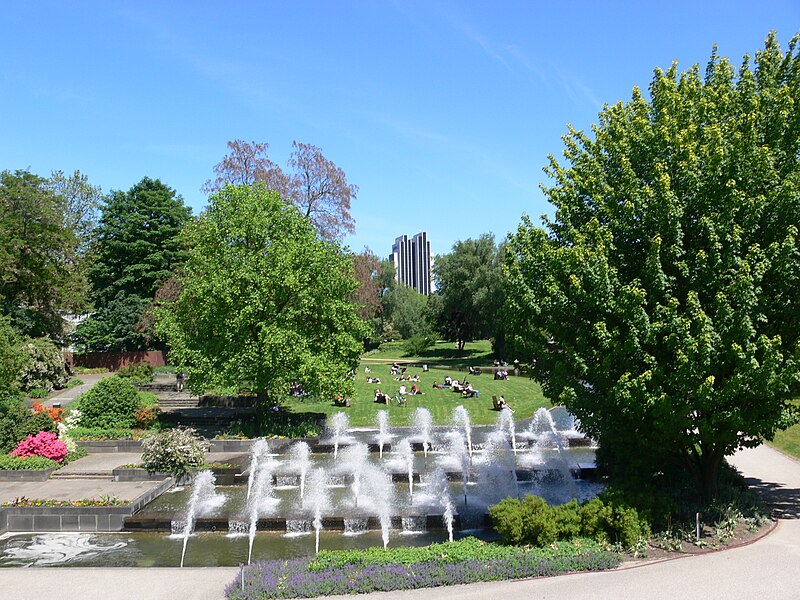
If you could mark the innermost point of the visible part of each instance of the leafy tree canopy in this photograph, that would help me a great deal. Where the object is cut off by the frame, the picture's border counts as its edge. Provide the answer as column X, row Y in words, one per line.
column 39, row 274
column 661, row 303
column 408, row 312
column 469, row 283
column 264, row 300
column 137, row 248
column 313, row 183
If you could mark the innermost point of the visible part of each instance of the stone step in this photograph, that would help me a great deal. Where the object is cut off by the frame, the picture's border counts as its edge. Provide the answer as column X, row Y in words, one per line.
column 103, row 476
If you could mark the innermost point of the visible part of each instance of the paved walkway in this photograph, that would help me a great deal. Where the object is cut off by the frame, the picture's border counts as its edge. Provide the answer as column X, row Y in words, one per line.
column 765, row 569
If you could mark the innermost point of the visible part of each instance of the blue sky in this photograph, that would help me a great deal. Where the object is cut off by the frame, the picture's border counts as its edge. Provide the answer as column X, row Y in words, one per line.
column 443, row 113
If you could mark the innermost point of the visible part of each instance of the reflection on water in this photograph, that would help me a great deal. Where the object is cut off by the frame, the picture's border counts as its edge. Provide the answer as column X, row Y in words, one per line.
column 160, row 550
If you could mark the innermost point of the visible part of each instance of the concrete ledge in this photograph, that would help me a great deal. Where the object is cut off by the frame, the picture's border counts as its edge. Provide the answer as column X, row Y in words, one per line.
column 76, row 518
column 97, row 446
column 23, row 475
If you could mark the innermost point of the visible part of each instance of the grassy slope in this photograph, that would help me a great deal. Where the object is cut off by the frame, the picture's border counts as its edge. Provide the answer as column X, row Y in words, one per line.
column 523, row 394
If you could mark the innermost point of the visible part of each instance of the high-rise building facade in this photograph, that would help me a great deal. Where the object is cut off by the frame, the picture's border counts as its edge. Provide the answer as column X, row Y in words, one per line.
column 413, row 262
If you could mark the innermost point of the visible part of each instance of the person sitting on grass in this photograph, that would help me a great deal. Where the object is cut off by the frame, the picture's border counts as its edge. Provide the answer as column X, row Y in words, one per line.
column 416, row 391
column 381, row 398
column 402, row 391
column 448, row 381
column 342, row 401
column 440, row 386
column 414, row 378
column 469, row 392
column 500, row 404
column 374, row 380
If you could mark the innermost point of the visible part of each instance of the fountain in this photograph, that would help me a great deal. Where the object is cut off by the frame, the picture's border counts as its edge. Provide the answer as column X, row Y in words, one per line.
column 354, row 458
column 291, row 490
column 406, row 454
column 505, row 425
column 422, row 420
column 339, row 424
column 318, row 500
column 203, row 500
column 300, row 454
column 461, row 419
column 262, row 500
column 383, row 430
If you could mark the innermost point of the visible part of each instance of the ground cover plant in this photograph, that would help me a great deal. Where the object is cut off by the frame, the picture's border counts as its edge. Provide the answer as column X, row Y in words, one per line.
column 450, row 563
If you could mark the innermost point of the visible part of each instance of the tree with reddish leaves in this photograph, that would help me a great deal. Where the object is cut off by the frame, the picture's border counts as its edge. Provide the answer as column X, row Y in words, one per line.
column 314, row 183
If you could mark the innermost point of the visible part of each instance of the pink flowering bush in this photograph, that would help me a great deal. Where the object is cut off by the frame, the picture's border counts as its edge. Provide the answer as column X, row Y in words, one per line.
column 44, row 444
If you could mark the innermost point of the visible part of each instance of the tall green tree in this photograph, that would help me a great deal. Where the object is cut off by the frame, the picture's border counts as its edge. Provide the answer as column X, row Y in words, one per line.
column 407, row 312
column 39, row 275
column 82, row 205
column 469, row 283
column 264, row 301
column 137, row 248
column 661, row 303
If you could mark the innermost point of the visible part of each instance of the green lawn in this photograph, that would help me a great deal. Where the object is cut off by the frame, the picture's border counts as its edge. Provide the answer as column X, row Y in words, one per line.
column 441, row 353
column 523, row 394
column 788, row 441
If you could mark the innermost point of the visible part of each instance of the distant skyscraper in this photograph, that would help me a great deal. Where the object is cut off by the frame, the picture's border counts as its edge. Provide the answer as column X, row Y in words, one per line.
column 413, row 262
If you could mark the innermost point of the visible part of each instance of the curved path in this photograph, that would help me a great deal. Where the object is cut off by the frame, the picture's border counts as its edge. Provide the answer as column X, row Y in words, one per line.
column 765, row 569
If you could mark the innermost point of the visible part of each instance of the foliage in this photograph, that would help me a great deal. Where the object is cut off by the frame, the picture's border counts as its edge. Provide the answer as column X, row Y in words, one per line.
column 17, row 422
column 113, row 327
column 314, row 184
column 407, row 311
column 38, row 260
column 43, row 366
column 469, row 284
column 264, row 301
column 38, row 393
column 26, row 463
column 532, row 521
column 45, row 444
column 369, row 293
column 417, row 344
column 82, row 204
column 110, row 403
column 146, row 416
column 452, row 563
column 138, row 374
column 660, row 306
column 11, row 359
column 277, row 423
column 102, row 433
column 175, row 451
column 136, row 249
column 75, row 382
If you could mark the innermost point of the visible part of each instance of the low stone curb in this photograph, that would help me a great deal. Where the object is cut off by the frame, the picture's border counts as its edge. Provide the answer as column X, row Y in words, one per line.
column 26, row 475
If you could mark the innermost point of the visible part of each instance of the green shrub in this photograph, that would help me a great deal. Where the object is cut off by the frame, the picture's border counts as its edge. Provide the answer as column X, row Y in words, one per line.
column 532, row 521
column 100, row 433
column 139, row 374
column 416, row 345
column 26, row 463
column 75, row 382
column 43, row 366
column 111, row 403
column 17, row 422
column 175, row 451
column 37, row 393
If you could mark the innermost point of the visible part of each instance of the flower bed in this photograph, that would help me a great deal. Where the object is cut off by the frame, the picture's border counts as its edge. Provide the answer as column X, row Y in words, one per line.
column 465, row 561
column 35, row 502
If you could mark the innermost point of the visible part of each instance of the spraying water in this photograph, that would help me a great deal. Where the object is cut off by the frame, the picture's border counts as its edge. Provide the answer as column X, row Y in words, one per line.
column 422, row 420
column 262, row 499
column 355, row 457
column 300, row 454
column 378, row 485
column 406, row 453
column 461, row 419
column 259, row 448
column 440, row 490
column 505, row 424
column 383, row 430
column 203, row 500
column 458, row 457
column 339, row 425
column 317, row 500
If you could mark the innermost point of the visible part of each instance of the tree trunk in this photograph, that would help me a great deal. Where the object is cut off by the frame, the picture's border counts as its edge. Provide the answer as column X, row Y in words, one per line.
column 706, row 468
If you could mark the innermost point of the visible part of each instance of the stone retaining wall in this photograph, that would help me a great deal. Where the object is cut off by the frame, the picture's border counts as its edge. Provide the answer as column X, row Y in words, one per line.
column 75, row 518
